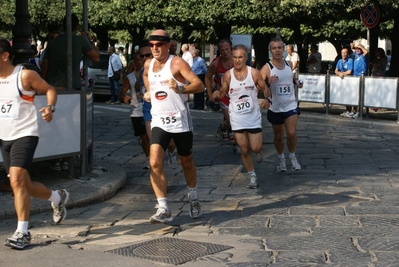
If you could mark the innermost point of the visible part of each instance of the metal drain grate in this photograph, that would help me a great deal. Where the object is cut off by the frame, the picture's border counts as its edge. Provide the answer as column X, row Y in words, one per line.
column 169, row 250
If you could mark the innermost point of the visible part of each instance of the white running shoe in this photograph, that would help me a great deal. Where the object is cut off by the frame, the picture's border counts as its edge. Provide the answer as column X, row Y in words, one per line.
column 162, row 215
column 259, row 157
column 356, row 115
column 294, row 164
column 350, row 115
column 253, row 182
column 343, row 114
column 281, row 167
column 172, row 161
column 59, row 212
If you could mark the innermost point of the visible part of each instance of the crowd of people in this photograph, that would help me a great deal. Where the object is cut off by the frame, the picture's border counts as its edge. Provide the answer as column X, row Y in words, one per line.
column 157, row 84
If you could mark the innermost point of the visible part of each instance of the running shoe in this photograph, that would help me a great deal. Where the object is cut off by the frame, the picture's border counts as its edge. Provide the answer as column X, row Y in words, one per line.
column 172, row 159
column 294, row 164
column 19, row 240
column 64, row 166
column 253, row 182
column 146, row 165
column 59, row 212
column 356, row 115
column 163, row 215
column 281, row 167
column 259, row 157
column 230, row 136
column 350, row 115
column 343, row 114
column 56, row 167
column 219, row 132
column 236, row 149
column 195, row 209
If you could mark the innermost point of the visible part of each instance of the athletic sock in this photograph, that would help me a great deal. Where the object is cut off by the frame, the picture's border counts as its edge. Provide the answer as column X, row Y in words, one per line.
column 55, row 198
column 292, row 155
column 281, row 156
column 23, row 226
column 163, row 202
column 192, row 193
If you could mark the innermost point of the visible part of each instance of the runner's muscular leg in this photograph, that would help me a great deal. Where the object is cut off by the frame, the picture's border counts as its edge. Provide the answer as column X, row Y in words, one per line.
column 243, row 142
column 255, row 141
column 189, row 170
column 157, row 175
column 278, row 130
column 290, row 127
column 23, row 189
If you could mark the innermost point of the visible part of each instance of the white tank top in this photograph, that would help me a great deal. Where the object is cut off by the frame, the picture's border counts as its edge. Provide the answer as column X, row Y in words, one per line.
column 244, row 108
column 136, row 106
column 170, row 111
column 283, row 91
column 18, row 116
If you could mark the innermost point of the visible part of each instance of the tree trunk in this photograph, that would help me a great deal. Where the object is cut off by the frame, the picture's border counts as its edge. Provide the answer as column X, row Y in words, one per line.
column 102, row 37
column 261, row 47
column 394, row 68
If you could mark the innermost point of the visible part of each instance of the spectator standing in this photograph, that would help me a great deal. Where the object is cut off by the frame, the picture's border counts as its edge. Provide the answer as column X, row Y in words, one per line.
column 19, row 139
column 51, row 36
column 122, row 57
column 388, row 61
column 293, row 57
column 114, row 65
column 187, row 55
column 243, row 82
column 314, row 60
column 359, row 67
column 344, row 68
column 170, row 119
column 379, row 64
column 54, row 68
column 283, row 108
column 173, row 47
column 200, row 69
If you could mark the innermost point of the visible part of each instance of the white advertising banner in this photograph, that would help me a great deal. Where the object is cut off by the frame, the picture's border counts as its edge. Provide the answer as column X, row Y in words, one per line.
column 380, row 92
column 344, row 91
column 62, row 135
column 314, row 88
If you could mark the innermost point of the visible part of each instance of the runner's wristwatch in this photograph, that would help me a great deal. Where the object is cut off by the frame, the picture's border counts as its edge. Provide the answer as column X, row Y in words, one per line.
column 52, row 107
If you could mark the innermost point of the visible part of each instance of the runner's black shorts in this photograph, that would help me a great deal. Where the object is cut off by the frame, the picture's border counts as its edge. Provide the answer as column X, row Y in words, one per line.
column 278, row 118
column 183, row 141
column 19, row 152
column 138, row 126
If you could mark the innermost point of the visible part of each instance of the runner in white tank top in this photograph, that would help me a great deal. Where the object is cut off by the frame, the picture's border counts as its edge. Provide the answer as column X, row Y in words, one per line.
column 244, row 108
column 169, row 80
column 283, row 109
column 19, row 139
column 169, row 110
column 242, row 83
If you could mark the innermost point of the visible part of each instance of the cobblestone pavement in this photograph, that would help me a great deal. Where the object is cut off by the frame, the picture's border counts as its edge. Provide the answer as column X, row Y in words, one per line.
column 340, row 209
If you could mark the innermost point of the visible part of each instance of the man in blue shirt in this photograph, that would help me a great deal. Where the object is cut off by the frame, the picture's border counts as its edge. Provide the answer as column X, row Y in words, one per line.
column 199, row 68
column 360, row 61
column 343, row 68
column 359, row 67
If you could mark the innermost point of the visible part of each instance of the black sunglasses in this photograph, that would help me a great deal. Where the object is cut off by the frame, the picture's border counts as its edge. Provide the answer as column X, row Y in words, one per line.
column 156, row 44
column 145, row 55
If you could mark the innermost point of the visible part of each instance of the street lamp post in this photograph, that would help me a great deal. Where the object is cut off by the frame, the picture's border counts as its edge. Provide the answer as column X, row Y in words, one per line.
column 22, row 32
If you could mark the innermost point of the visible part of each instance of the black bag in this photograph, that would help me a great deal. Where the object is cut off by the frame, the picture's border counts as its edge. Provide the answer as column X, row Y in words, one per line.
column 117, row 75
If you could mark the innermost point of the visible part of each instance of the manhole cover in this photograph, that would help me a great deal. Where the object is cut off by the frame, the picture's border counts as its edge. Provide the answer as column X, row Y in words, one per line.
column 169, row 250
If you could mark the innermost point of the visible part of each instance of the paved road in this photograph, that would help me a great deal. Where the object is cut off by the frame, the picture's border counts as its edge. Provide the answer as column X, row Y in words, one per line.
column 341, row 209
